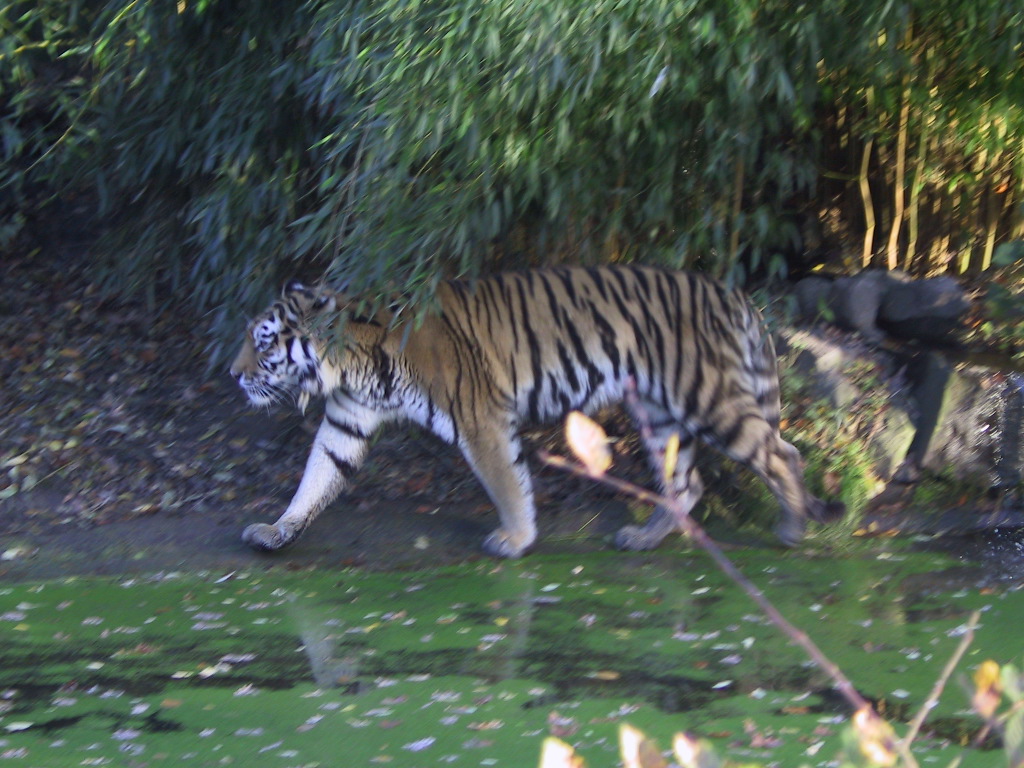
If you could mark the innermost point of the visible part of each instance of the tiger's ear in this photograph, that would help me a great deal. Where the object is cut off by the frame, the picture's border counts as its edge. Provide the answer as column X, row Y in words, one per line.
column 325, row 300
column 310, row 299
column 296, row 287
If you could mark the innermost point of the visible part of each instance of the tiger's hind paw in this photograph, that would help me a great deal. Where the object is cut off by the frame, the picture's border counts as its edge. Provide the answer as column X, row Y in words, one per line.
column 635, row 538
column 791, row 531
column 826, row 512
column 263, row 537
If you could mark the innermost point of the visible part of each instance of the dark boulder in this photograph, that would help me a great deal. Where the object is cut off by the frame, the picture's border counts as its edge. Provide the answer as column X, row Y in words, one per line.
column 876, row 302
column 927, row 310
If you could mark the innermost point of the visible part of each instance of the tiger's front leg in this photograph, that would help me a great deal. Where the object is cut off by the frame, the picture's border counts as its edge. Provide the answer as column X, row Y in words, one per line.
column 338, row 451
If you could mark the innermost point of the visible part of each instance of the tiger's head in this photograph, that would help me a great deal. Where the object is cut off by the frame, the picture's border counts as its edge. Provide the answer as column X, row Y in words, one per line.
column 279, row 358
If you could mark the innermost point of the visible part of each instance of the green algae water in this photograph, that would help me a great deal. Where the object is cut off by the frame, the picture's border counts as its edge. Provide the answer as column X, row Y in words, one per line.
column 474, row 665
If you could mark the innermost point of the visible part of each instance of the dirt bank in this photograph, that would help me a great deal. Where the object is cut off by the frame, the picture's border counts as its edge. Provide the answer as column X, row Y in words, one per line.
column 120, row 452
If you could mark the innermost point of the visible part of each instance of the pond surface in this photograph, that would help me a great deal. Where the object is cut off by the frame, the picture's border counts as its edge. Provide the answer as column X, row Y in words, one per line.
column 474, row 665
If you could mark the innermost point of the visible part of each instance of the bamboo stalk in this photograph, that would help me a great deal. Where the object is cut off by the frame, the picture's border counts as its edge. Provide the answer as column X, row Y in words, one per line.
column 898, row 198
column 992, row 211
column 869, row 207
column 914, row 215
column 959, row 204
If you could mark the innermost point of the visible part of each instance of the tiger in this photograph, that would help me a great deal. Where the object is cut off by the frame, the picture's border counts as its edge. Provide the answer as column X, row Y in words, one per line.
column 526, row 348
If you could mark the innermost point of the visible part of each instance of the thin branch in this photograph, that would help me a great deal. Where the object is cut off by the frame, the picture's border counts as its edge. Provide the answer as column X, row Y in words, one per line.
column 692, row 529
column 940, row 684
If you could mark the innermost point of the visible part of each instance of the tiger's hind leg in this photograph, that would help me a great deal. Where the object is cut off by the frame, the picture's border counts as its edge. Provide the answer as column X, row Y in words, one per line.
column 685, row 485
column 746, row 436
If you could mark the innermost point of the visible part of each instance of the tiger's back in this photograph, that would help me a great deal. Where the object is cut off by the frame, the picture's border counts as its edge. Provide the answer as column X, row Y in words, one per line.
column 555, row 340
column 528, row 347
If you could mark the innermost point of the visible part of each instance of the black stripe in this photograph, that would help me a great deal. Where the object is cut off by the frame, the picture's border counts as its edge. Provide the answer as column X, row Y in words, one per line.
column 608, row 343
column 731, row 434
column 618, row 299
column 654, row 329
column 364, row 320
column 506, row 295
column 346, row 468
column 488, row 301
column 348, row 429
column 568, row 282
column 641, row 278
column 620, row 276
column 568, row 367
column 659, row 424
column 556, row 312
column 536, row 364
column 595, row 377
column 696, row 382
column 675, row 303
column 385, row 371
column 597, row 277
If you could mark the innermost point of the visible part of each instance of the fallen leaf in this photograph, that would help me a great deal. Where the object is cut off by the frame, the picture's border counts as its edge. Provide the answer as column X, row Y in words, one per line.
column 555, row 753
column 637, row 751
column 589, row 442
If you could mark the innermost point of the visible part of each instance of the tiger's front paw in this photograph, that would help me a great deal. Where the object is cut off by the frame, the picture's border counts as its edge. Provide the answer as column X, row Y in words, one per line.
column 633, row 537
column 263, row 537
column 502, row 544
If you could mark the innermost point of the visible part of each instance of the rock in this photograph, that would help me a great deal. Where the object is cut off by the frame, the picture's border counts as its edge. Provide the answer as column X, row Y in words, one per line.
column 812, row 297
column 929, row 375
column 827, row 370
column 894, row 433
column 928, row 310
column 820, row 363
column 856, row 300
column 877, row 301
column 976, row 438
column 963, row 423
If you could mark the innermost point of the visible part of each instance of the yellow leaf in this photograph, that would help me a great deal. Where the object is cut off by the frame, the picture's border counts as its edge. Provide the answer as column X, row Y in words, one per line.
column 637, row 751
column 987, row 688
column 555, row 753
column 671, row 458
column 987, row 675
column 875, row 737
column 589, row 442
column 692, row 752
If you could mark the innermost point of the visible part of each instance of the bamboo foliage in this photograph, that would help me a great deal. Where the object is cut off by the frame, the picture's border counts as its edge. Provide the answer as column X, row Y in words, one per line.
column 394, row 142
column 937, row 94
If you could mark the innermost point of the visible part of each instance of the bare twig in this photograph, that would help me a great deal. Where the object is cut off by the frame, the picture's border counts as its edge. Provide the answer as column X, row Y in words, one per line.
column 692, row 529
column 940, row 684
column 995, row 724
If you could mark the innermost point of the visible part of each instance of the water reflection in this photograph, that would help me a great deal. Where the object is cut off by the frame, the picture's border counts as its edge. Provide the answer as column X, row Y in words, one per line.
column 595, row 638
